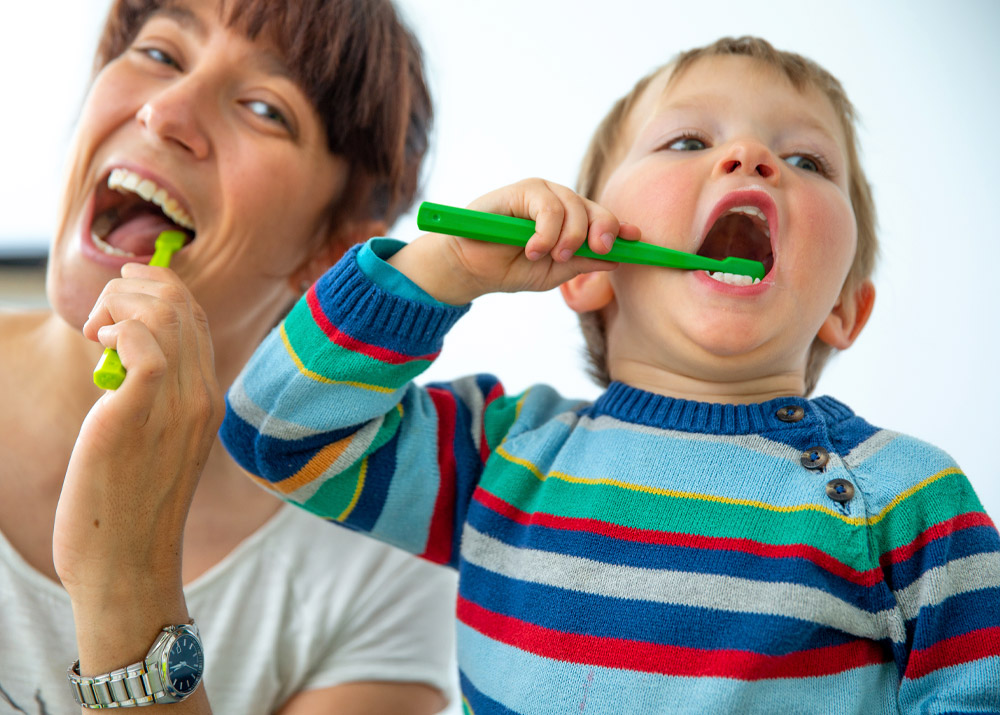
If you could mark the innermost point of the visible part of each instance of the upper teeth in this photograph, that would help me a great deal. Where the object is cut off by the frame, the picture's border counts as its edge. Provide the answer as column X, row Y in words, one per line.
column 755, row 213
column 124, row 180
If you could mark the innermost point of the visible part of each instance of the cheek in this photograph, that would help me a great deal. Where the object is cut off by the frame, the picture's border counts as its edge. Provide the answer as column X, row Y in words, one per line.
column 829, row 228
column 650, row 193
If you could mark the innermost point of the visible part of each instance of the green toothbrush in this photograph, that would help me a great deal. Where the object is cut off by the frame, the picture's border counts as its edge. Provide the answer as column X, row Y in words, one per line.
column 109, row 373
column 512, row 231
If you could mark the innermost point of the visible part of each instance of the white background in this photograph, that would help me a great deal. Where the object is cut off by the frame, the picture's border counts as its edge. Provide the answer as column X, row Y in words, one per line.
column 519, row 86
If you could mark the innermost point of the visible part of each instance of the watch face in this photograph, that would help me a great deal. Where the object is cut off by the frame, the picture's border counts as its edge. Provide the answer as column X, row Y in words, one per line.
column 185, row 664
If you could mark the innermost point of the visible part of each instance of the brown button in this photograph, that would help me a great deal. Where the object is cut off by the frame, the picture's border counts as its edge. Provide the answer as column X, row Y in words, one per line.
column 840, row 490
column 792, row 413
column 814, row 458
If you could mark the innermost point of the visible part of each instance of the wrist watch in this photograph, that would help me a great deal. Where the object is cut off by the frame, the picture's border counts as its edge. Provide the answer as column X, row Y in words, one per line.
column 170, row 672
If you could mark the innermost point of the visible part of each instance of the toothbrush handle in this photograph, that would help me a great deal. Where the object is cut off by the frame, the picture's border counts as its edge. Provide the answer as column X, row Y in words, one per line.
column 512, row 231
column 109, row 373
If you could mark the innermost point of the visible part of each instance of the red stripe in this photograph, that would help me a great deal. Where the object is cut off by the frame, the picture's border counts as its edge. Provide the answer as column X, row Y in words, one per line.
column 667, row 659
column 442, row 527
column 666, row 538
column 484, row 447
column 353, row 344
column 975, row 645
column 945, row 528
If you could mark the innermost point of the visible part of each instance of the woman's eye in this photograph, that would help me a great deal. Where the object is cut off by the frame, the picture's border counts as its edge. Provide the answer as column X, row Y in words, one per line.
column 807, row 163
column 267, row 111
column 687, row 144
column 158, row 55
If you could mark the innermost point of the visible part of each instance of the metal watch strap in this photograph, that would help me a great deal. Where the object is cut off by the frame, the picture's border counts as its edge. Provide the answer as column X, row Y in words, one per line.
column 123, row 688
column 128, row 687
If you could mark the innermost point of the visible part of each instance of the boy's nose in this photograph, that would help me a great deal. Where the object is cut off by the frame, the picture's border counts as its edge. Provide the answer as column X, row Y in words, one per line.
column 173, row 114
column 750, row 158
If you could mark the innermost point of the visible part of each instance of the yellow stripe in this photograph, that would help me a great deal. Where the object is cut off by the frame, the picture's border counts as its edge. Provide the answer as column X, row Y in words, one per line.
column 911, row 491
column 320, row 378
column 855, row 521
column 357, row 491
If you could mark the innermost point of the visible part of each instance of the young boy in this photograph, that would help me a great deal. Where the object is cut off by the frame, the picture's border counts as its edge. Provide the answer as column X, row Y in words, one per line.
column 703, row 538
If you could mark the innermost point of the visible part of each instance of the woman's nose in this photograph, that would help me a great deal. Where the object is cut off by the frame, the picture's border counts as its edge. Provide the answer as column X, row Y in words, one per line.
column 751, row 158
column 173, row 115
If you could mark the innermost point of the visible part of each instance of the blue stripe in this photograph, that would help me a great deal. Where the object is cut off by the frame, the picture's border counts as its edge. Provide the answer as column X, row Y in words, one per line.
column 955, row 616
column 570, row 611
column 620, row 552
column 967, row 688
column 954, row 546
column 380, row 468
column 480, row 704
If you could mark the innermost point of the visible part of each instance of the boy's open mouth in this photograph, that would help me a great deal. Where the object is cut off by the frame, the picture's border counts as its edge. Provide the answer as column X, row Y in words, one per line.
column 130, row 211
column 740, row 231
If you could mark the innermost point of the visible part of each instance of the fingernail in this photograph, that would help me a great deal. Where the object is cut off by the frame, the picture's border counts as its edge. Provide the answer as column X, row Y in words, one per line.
column 533, row 255
column 565, row 254
column 607, row 240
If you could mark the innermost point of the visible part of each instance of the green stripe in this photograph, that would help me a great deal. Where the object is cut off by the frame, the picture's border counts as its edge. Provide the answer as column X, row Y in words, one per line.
column 656, row 512
column 498, row 418
column 333, row 362
column 939, row 501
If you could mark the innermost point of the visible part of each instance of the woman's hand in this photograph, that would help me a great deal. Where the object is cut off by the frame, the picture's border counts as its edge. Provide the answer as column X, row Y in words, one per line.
column 456, row 270
column 120, row 519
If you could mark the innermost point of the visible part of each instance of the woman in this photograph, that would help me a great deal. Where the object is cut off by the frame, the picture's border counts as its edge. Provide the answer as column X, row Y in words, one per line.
column 274, row 135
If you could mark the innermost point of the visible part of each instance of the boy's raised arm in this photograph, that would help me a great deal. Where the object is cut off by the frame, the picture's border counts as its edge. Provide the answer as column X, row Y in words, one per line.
column 457, row 270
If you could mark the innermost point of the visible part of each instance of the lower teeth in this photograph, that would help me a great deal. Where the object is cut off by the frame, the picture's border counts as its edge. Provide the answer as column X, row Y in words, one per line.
column 107, row 248
column 732, row 278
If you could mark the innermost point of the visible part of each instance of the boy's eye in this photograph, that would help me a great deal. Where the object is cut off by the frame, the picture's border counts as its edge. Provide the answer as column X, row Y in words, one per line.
column 267, row 111
column 804, row 162
column 687, row 144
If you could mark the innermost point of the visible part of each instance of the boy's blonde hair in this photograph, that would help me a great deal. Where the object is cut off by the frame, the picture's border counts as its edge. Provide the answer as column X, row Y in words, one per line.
column 599, row 162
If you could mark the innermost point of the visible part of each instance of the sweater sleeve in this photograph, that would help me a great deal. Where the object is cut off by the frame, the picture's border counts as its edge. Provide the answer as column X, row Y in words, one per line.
column 940, row 555
column 326, row 414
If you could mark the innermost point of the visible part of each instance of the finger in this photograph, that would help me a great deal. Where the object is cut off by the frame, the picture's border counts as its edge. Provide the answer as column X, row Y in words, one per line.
column 604, row 227
column 161, row 317
column 545, row 208
column 145, row 363
column 629, row 232
column 575, row 224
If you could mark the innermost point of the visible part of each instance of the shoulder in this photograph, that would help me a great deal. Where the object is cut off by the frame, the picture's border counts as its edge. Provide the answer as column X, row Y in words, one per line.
column 893, row 467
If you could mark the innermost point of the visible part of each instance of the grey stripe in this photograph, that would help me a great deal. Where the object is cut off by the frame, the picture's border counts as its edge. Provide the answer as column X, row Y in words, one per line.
column 469, row 393
column 971, row 573
column 264, row 423
column 726, row 593
column 871, row 446
column 752, row 442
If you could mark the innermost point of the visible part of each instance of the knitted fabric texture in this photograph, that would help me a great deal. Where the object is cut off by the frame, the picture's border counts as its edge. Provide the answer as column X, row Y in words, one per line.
column 639, row 554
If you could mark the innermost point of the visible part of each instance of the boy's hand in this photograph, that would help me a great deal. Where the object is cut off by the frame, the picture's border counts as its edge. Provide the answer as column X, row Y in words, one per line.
column 456, row 270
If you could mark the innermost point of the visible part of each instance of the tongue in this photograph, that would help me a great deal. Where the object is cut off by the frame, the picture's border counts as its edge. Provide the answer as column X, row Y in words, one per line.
column 137, row 233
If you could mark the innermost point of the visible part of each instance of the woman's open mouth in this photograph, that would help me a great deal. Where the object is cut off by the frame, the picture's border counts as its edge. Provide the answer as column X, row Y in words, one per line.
column 130, row 211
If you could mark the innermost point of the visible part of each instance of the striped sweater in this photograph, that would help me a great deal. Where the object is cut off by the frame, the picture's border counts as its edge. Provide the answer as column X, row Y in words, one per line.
column 638, row 554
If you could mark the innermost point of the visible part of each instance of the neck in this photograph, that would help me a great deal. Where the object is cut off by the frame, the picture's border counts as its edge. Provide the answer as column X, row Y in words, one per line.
column 725, row 388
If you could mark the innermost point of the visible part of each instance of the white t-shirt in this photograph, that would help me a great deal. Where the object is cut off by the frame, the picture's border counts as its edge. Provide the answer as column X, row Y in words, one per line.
column 300, row 604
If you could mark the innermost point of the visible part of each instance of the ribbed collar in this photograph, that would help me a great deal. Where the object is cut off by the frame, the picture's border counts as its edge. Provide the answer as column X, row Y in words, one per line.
column 631, row 404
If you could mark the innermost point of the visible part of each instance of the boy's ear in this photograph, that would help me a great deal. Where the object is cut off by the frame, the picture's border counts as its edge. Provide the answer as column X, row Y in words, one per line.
column 331, row 249
column 842, row 327
column 588, row 292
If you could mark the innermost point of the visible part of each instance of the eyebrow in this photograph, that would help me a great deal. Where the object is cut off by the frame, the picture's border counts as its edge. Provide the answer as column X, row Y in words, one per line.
column 183, row 17
column 271, row 62
column 708, row 101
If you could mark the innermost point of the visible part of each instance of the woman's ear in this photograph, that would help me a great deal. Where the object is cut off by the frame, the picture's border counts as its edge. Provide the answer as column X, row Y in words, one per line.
column 588, row 292
column 331, row 248
column 842, row 327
